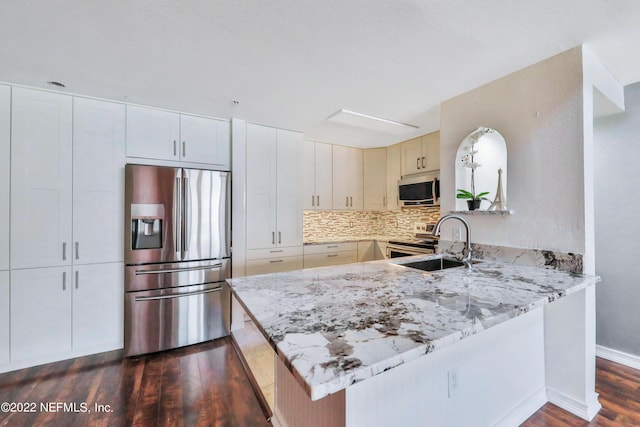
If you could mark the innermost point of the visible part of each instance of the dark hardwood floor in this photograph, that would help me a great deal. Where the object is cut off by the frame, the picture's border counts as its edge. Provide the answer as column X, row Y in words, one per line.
column 205, row 385
column 202, row 385
column 619, row 389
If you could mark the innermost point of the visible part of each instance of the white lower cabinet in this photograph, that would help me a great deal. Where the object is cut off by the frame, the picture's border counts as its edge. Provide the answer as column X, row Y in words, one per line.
column 380, row 250
column 40, row 312
column 277, row 260
column 330, row 254
column 5, row 320
column 57, row 310
column 273, row 265
column 366, row 250
column 98, row 309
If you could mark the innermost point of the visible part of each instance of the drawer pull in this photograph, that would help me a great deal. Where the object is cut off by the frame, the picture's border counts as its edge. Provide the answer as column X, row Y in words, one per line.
column 332, row 255
column 332, row 246
column 273, row 261
column 276, row 252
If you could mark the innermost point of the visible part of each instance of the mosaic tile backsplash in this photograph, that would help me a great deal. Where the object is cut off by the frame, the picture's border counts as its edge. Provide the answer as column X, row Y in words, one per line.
column 329, row 225
column 322, row 226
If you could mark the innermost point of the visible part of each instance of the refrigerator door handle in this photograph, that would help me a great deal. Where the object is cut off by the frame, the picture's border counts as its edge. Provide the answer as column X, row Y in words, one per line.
column 178, row 295
column 186, row 216
column 177, row 215
column 179, row 270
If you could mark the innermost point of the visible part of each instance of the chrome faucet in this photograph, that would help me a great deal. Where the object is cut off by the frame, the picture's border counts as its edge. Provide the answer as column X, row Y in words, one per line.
column 466, row 253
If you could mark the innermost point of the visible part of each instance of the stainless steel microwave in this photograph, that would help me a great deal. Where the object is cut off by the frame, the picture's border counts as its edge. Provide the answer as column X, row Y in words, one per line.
column 419, row 190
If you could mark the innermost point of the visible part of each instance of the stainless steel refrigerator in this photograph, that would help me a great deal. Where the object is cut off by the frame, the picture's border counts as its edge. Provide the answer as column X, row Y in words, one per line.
column 177, row 256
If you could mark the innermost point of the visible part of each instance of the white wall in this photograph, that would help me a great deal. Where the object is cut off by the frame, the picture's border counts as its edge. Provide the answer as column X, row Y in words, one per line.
column 617, row 168
column 539, row 111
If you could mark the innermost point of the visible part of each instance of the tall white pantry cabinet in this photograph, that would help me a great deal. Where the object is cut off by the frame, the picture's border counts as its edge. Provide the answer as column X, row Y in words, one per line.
column 66, row 280
column 5, row 138
column 273, row 205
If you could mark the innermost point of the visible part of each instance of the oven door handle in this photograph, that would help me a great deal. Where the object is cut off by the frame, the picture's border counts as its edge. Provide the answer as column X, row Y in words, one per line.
column 179, row 295
column 179, row 270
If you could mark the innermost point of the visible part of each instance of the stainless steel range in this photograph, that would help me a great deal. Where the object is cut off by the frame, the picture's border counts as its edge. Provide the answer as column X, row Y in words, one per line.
column 177, row 256
column 424, row 243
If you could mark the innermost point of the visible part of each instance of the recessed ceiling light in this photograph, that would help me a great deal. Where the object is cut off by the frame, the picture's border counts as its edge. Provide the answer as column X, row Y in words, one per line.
column 366, row 121
column 57, row 84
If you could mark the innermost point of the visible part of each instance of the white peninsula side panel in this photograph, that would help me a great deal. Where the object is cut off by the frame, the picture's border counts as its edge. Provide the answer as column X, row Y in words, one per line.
column 468, row 383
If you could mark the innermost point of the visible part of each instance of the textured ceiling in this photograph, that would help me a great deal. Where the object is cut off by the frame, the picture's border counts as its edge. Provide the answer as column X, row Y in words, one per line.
column 291, row 64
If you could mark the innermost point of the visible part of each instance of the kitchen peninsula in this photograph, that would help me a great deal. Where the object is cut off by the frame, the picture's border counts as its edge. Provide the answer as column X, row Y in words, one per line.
column 378, row 343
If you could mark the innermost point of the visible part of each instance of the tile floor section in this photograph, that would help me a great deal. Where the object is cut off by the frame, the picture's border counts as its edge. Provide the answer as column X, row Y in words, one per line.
column 260, row 357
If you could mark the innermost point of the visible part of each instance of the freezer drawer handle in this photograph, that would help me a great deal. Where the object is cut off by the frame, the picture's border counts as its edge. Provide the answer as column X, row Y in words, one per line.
column 179, row 270
column 185, row 294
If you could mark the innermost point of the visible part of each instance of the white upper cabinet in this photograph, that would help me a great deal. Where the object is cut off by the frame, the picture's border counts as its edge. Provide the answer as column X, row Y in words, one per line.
column 317, row 175
column 98, row 181
column 347, row 178
column 261, row 186
column 274, row 211
column 205, row 140
column 5, row 161
column 421, row 154
column 288, row 206
column 153, row 134
column 41, row 178
column 411, row 156
column 394, row 172
column 375, row 178
column 164, row 135
column 431, row 151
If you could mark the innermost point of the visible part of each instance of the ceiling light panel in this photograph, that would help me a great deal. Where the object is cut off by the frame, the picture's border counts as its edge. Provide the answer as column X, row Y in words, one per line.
column 378, row 124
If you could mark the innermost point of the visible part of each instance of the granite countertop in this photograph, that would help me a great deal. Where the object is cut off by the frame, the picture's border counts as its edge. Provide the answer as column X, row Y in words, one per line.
column 345, row 239
column 335, row 326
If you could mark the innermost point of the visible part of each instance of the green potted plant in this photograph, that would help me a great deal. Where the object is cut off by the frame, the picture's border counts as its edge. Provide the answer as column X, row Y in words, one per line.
column 473, row 199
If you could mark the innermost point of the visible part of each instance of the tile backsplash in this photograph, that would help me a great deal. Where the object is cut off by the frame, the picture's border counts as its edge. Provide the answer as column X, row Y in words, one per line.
column 328, row 225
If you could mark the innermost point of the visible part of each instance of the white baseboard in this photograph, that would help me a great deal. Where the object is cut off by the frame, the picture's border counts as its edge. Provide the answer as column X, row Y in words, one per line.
column 617, row 356
column 28, row 363
column 523, row 411
column 584, row 410
column 276, row 420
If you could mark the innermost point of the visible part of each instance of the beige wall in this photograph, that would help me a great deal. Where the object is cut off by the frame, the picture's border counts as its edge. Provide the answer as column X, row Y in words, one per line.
column 539, row 111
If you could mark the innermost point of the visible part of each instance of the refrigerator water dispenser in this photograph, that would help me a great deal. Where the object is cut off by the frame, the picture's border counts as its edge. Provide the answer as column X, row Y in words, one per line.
column 146, row 226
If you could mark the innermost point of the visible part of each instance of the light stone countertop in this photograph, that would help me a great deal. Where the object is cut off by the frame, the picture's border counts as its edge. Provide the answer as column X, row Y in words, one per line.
column 358, row 238
column 335, row 326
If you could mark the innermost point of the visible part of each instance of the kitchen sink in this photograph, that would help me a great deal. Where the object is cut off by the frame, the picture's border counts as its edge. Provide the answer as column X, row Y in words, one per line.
column 435, row 264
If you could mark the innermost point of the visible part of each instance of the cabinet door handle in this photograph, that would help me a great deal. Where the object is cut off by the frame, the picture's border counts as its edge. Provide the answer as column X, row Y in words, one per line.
column 418, row 163
column 318, row 201
column 351, row 201
column 175, row 148
column 64, row 280
column 273, row 237
column 77, row 250
column 64, row 251
column 384, row 201
column 279, row 237
column 77, row 279
column 184, row 149
column 423, row 163
column 313, row 200
column 347, row 201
